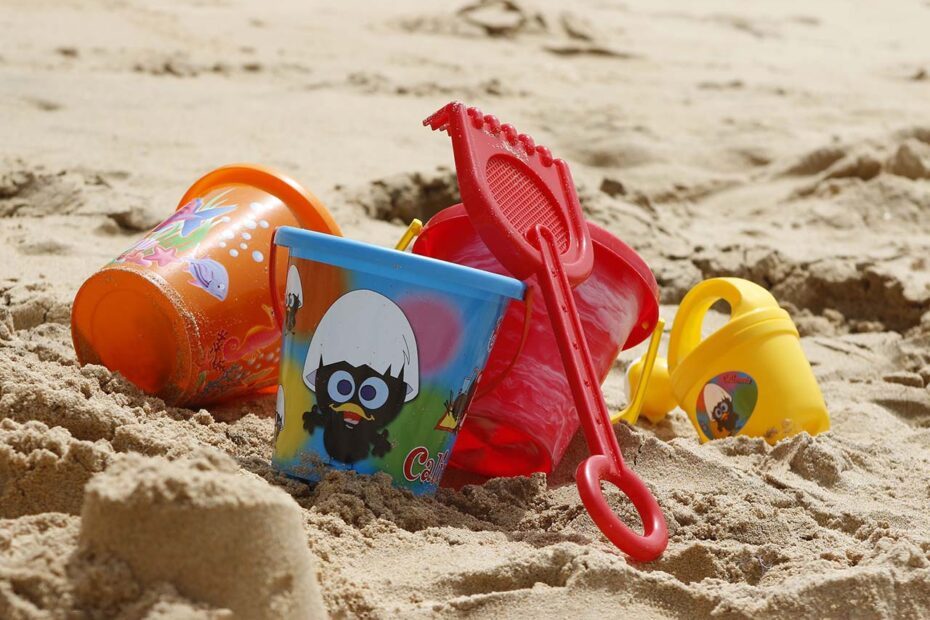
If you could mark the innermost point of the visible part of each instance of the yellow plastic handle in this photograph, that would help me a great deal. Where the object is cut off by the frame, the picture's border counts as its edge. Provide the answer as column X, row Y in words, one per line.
column 631, row 413
column 412, row 231
column 742, row 295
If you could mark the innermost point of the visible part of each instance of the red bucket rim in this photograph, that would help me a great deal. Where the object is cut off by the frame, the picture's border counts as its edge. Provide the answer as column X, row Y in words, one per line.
column 648, row 315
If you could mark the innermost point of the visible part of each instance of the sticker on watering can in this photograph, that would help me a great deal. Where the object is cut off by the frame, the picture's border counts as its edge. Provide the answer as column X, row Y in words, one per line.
column 377, row 374
column 725, row 404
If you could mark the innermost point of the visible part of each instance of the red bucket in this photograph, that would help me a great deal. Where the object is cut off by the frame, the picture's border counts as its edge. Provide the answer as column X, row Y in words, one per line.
column 523, row 417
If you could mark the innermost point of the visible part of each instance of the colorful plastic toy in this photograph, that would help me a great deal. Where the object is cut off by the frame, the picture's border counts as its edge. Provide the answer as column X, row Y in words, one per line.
column 523, row 204
column 381, row 357
column 750, row 377
column 186, row 312
column 522, row 418
column 642, row 399
column 412, row 231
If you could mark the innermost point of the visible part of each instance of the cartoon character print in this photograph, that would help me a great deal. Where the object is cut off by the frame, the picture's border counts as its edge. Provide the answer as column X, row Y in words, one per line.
column 456, row 407
column 720, row 408
column 725, row 404
column 361, row 378
column 279, row 413
column 209, row 275
column 293, row 298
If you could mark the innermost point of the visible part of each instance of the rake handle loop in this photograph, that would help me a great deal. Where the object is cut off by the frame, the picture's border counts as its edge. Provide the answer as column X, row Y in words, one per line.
column 606, row 460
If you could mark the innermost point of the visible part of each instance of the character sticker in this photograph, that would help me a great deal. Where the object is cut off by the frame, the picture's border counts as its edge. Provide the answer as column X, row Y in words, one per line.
column 293, row 298
column 361, row 378
column 725, row 404
column 279, row 413
column 457, row 405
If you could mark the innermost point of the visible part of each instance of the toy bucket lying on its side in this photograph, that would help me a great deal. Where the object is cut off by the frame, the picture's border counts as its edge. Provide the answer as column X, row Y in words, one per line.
column 523, row 417
column 381, row 353
column 186, row 312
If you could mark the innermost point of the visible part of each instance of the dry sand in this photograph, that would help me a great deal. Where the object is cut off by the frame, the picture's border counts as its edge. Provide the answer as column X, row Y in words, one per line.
column 786, row 143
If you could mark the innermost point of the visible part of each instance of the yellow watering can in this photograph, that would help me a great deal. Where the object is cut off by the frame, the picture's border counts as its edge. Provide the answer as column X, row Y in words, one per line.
column 750, row 377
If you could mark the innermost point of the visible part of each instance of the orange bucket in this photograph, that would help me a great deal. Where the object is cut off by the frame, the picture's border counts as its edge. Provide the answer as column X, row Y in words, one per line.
column 186, row 313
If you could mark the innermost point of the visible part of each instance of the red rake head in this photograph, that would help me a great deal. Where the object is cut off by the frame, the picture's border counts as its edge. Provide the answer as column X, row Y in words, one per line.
column 509, row 186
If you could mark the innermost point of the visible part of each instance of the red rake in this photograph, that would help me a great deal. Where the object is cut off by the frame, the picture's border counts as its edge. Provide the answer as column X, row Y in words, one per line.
column 523, row 204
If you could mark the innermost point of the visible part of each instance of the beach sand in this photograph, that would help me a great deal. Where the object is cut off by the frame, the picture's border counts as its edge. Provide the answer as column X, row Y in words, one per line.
column 787, row 143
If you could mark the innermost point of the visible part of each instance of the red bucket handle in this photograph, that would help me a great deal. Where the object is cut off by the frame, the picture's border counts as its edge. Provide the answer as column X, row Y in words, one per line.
column 488, row 386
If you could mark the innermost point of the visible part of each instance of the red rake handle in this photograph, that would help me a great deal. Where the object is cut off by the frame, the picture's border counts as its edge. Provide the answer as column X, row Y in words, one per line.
column 606, row 460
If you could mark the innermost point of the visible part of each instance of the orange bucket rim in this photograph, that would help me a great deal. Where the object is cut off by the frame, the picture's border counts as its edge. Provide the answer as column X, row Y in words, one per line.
column 310, row 212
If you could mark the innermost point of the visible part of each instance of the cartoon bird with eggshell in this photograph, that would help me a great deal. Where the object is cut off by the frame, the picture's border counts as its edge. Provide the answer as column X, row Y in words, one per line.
column 363, row 367
column 719, row 405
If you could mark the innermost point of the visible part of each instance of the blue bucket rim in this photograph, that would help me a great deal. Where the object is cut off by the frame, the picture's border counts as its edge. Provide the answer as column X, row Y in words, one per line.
column 394, row 264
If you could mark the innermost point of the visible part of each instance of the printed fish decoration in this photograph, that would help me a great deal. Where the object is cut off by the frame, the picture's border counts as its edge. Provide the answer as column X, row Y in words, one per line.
column 191, row 218
column 209, row 275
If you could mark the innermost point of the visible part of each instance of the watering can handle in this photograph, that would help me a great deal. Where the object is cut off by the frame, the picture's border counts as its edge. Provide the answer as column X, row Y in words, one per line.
column 742, row 295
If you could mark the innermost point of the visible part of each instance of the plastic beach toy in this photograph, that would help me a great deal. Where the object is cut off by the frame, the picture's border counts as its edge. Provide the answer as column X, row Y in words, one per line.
column 750, row 377
column 640, row 374
column 523, row 204
column 383, row 357
column 186, row 313
column 522, row 417
column 412, row 231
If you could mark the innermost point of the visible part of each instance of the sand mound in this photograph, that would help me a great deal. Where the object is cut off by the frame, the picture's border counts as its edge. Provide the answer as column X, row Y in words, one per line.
column 214, row 534
column 45, row 470
column 41, row 576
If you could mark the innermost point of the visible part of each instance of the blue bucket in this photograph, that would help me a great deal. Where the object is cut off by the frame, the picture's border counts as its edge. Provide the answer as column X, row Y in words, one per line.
column 381, row 354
